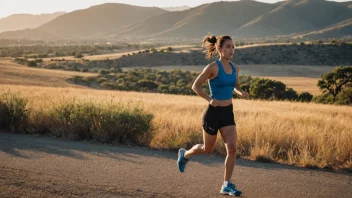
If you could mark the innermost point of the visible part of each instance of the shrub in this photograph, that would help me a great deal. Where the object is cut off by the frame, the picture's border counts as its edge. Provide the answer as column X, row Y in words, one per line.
column 108, row 85
column 79, row 55
column 84, row 70
column 305, row 97
column 291, row 94
column 101, row 80
column 105, row 123
column 32, row 64
column 345, row 97
column 13, row 112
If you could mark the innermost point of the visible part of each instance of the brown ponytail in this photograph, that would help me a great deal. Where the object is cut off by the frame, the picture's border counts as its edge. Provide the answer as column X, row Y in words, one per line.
column 210, row 42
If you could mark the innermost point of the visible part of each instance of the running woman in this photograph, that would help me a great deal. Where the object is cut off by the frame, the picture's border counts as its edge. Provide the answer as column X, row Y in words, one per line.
column 222, row 76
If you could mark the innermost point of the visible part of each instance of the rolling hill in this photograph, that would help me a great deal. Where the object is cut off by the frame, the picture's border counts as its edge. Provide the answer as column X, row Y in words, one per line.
column 197, row 22
column 295, row 16
column 337, row 30
column 87, row 23
column 24, row 21
column 176, row 8
column 240, row 19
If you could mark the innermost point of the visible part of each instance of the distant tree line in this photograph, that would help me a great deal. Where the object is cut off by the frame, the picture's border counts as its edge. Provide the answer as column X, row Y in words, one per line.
column 336, row 85
column 45, row 51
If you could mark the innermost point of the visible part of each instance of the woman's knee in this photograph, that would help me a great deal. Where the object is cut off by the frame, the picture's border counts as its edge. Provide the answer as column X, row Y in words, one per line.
column 231, row 149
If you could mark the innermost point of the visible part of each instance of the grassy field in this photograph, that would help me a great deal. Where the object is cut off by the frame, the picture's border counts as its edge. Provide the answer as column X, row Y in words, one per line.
column 15, row 74
column 304, row 134
column 176, row 48
column 295, row 133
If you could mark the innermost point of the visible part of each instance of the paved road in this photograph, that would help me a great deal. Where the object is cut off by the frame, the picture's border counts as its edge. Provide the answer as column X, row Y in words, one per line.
column 34, row 166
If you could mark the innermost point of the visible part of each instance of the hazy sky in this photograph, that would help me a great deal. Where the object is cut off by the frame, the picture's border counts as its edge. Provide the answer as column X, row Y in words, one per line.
column 8, row 7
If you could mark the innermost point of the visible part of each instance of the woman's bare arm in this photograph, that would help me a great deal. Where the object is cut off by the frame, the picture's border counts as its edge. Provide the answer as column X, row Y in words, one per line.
column 237, row 87
column 206, row 74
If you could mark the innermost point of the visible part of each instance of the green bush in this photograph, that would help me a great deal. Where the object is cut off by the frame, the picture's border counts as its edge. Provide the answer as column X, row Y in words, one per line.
column 305, row 97
column 31, row 64
column 291, row 94
column 267, row 89
column 77, row 79
column 39, row 60
column 345, row 97
column 13, row 112
column 101, row 80
column 89, row 79
column 324, row 99
column 105, row 123
column 108, row 85
column 147, row 84
column 84, row 70
column 103, row 72
column 79, row 55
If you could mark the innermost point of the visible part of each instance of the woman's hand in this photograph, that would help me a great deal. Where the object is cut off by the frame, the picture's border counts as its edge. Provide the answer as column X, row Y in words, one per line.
column 214, row 102
column 245, row 95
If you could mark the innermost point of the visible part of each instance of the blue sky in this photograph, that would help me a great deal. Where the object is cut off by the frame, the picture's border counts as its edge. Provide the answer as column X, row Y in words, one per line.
column 8, row 7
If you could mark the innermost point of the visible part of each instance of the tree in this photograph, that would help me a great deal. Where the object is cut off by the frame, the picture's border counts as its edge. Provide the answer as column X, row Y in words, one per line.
column 305, row 97
column 267, row 89
column 333, row 82
column 324, row 99
column 345, row 96
column 291, row 94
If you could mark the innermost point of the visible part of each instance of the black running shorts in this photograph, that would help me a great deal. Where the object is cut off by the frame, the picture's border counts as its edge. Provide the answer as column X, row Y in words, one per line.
column 215, row 118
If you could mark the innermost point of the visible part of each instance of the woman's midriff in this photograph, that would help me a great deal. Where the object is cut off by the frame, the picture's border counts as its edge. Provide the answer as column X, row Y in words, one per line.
column 224, row 103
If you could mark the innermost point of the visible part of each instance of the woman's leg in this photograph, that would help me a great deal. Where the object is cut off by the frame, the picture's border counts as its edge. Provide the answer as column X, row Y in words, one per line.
column 229, row 135
column 206, row 148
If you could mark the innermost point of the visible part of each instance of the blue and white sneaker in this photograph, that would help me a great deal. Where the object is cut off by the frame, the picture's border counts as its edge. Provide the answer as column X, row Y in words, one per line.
column 230, row 189
column 181, row 161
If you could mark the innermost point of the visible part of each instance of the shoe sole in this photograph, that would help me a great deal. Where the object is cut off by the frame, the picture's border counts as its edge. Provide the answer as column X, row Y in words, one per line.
column 227, row 193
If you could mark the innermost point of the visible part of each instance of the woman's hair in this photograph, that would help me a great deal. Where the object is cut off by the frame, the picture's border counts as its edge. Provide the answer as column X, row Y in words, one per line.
column 210, row 42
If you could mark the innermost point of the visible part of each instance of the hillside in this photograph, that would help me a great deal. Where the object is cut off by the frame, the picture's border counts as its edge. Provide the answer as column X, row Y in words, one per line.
column 15, row 74
column 307, row 54
column 337, row 30
column 197, row 22
column 243, row 19
column 88, row 23
column 176, row 8
column 24, row 21
column 295, row 16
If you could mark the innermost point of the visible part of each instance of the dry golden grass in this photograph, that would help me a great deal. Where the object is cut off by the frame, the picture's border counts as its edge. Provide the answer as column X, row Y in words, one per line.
column 299, row 84
column 15, row 74
column 295, row 133
column 304, row 134
column 176, row 48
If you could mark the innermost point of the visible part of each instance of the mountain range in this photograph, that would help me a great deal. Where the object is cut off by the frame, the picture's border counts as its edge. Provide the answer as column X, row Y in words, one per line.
column 240, row 19
column 24, row 21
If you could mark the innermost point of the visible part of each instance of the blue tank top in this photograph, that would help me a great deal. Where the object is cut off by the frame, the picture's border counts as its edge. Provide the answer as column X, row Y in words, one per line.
column 221, row 87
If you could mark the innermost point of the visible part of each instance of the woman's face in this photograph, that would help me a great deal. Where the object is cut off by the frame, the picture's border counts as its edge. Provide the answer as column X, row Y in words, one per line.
column 227, row 49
